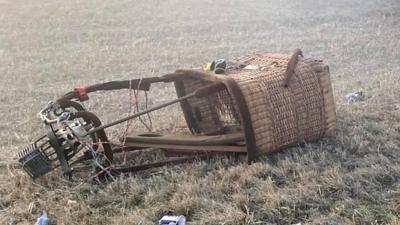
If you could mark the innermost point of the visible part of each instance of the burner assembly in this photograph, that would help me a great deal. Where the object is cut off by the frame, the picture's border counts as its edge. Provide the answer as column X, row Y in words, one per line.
column 67, row 127
column 257, row 104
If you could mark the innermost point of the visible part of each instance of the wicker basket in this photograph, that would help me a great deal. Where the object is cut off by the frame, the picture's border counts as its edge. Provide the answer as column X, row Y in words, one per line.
column 286, row 100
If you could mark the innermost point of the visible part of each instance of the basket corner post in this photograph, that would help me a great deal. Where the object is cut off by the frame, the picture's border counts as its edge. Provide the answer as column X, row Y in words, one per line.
column 245, row 117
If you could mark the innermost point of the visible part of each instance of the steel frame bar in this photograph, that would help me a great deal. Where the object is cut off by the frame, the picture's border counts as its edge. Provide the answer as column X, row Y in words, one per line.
column 137, row 168
column 193, row 148
column 218, row 83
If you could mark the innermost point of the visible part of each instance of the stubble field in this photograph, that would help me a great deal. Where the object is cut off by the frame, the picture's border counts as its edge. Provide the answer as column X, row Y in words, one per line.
column 47, row 47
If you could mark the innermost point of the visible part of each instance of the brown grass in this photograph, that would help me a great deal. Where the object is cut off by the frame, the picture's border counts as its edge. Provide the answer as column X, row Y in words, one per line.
column 46, row 47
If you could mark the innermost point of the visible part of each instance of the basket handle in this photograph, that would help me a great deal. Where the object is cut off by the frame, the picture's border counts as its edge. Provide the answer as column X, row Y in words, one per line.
column 291, row 66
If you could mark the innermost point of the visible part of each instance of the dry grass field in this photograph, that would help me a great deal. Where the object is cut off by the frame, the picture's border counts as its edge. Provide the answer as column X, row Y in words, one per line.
column 47, row 47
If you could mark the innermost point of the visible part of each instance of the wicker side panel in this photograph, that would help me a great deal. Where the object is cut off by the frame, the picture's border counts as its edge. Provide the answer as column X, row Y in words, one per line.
column 259, row 110
column 214, row 114
column 309, row 102
column 329, row 102
column 327, row 91
column 205, row 116
column 284, row 116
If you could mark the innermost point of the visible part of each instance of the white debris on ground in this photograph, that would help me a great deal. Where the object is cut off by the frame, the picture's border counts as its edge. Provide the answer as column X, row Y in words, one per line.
column 355, row 97
column 173, row 220
column 43, row 219
column 72, row 202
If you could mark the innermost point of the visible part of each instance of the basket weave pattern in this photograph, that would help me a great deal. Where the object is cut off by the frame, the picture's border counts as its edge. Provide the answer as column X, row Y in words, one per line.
column 282, row 116
column 213, row 114
column 302, row 111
